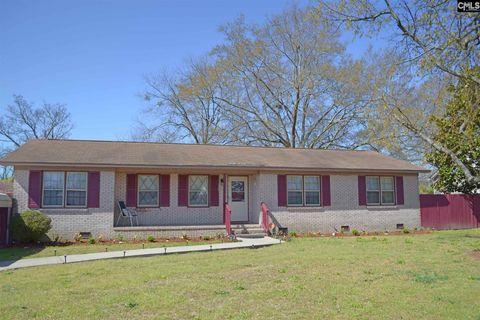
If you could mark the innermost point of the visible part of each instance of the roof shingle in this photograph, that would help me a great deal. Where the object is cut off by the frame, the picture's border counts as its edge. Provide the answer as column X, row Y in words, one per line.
column 161, row 155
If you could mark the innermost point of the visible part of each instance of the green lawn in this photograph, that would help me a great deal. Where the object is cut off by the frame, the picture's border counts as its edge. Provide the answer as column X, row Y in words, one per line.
column 432, row 276
column 15, row 253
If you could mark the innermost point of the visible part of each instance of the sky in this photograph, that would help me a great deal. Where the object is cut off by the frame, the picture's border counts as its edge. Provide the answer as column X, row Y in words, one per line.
column 94, row 55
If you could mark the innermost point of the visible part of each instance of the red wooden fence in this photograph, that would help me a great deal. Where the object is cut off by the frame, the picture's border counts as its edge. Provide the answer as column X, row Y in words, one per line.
column 450, row 211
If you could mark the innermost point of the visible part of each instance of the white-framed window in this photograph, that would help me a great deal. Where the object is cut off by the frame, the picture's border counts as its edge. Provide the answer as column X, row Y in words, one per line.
column 148, row 190
column 198, row 190
column 76, row 189
column 53, row 188
column 387, row 186
column 380, row 190
column 294, row 190
column 312, row 190
column 303, row 190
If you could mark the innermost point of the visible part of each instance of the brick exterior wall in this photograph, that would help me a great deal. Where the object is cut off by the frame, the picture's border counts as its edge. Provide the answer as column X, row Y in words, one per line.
column 344, row 209
column 67, row 222
column 173, row 215
column 262, row 187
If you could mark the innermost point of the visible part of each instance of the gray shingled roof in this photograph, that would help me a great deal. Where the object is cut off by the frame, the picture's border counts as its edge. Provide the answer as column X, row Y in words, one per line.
column 160, row 155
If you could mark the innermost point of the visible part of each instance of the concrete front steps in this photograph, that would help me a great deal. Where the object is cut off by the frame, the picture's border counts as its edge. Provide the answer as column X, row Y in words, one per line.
column 248, row 230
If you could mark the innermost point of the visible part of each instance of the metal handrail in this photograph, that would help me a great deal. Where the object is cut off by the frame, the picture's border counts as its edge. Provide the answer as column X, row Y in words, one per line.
column 265, row 211
column 228, row 219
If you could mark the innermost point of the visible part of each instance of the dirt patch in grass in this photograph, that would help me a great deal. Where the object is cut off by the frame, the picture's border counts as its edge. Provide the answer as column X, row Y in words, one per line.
column 475, row 254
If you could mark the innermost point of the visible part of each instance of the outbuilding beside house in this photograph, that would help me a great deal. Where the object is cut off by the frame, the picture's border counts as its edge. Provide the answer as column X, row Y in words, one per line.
column 182, row 188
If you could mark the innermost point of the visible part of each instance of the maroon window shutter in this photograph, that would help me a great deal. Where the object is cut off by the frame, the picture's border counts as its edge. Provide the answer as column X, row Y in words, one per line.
column 93, row 193
column 362, row 191
column 35, row 189
column 399, row 188
column 182, row 190
column 165, row 190
column 131, row 190
column 282, row 190
column 326, row 201
column 213, row 200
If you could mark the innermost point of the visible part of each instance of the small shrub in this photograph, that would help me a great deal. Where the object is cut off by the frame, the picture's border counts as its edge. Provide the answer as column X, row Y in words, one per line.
column 55, row 238
column 406, row 231
column 206, row 238
column 184, row 236
column 355, row 232
column 30, row 225
column 119, row 237
column 91, row 240
column 151, row 238
column 293, row 234
column 77, row 237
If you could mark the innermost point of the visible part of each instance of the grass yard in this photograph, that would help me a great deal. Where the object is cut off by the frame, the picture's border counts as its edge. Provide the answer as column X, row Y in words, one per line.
column 429, row 276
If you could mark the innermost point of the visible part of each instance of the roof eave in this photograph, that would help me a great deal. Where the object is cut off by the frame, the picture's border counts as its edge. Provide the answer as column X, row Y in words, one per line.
column 245, row 167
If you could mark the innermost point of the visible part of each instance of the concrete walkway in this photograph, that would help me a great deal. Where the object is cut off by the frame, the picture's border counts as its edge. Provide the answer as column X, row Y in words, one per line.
column 243, row 243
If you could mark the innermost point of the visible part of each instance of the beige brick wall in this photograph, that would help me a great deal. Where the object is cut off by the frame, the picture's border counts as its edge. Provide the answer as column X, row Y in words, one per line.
column 262, row 187
column 173, row 215
column 66, row 222
column 344, row 209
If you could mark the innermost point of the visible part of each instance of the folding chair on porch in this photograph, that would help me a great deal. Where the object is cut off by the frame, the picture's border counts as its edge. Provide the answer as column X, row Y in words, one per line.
column 126, row 213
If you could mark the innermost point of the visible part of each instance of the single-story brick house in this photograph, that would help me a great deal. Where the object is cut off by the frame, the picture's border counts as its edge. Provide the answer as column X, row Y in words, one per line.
column 182, row 188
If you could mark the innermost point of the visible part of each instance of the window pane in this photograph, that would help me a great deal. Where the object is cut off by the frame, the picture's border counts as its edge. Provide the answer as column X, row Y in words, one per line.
column 53, row 197
column 295, row 197
column 294, row 182
column 312, row 183
column 198, row 198
column 238, row 186
column 53, row 180
column 387, row 183
column 148, row 183
column 372, row 183
column 312, row 197
column 198, row 183
column 76, row 198
column 387, row 197
column 148, row 198
column 373, row 197
column 198, row 190
column 77, row 180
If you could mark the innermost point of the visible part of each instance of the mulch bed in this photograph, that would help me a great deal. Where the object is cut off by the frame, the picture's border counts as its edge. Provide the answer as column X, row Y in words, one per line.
column 362, row 234
column 84, row 242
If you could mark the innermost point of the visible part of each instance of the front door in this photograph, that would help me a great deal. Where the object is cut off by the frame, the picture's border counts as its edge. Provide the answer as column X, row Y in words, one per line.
column 238, row 198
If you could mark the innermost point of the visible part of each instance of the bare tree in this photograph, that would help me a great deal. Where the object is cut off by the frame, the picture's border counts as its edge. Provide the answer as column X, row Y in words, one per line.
column 429, row 34
column 22, row 122
column 277, row 84
column 185, row 107
column 396, row 94
column 432, row 39
column 290, row 82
